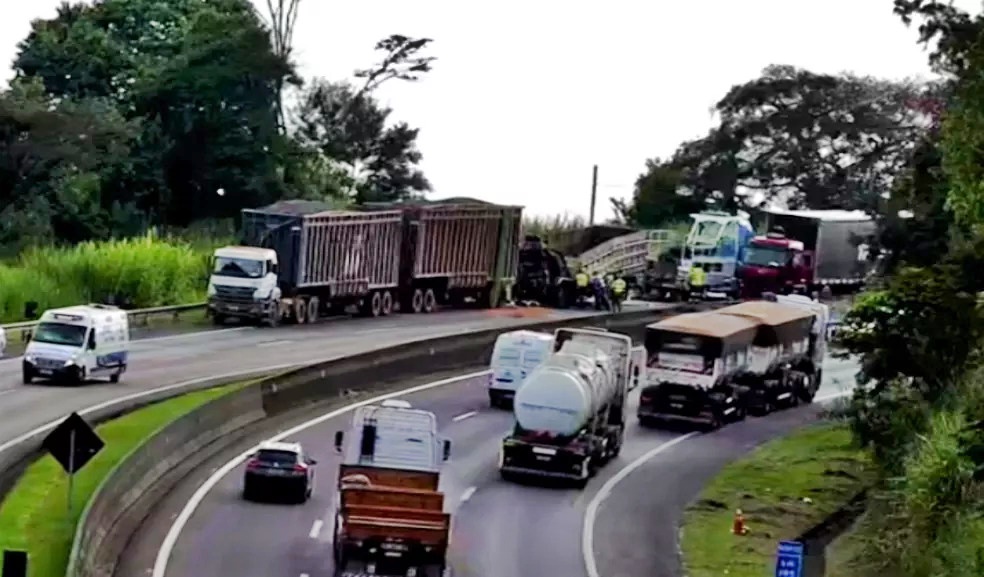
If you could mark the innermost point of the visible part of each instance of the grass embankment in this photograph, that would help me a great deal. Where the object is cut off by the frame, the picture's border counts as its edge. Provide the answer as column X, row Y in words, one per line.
column 784, row 488
column 149, row 271
column 34, row 516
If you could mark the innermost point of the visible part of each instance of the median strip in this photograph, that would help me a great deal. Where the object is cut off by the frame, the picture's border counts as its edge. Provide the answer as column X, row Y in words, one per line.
column 783, row 489
column 34, row 516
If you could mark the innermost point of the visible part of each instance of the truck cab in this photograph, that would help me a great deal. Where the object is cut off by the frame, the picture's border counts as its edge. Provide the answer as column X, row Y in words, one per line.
column 243, row 283
column 389, row 511
column 775, row 263
column 716, row 242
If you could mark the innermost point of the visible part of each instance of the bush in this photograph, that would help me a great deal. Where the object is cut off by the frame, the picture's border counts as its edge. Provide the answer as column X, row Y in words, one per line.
column 139, row 272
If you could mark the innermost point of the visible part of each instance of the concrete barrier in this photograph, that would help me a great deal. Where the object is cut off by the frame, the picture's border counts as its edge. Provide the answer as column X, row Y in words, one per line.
column 129, row 493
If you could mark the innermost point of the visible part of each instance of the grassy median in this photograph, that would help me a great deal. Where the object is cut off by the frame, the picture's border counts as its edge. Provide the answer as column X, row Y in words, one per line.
column 784, row 488
column 34, row 516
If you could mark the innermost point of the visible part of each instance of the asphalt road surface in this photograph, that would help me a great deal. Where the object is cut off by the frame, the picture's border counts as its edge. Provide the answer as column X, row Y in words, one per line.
column 500, row 529
column 201, row 356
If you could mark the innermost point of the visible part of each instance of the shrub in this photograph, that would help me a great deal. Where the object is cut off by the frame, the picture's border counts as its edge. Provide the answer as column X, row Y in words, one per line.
column 139, row 272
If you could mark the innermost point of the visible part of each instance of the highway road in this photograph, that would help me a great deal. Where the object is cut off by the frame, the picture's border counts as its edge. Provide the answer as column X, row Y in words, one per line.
column 500, row 529
column 184, row 359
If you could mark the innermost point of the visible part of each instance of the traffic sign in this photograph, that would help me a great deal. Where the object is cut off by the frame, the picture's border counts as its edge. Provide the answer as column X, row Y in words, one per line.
column 73, row 443
column 789, row 559
column 14, row 564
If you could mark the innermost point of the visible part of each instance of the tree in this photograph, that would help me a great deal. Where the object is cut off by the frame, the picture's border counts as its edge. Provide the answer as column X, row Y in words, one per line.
column 812, row 140
column 656, row 199
column 351, row 129
column 402, row 61
column 281, row 20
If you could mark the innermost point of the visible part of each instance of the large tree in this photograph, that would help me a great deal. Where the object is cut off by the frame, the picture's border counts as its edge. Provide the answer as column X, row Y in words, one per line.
column 811, row 140
column 656, row 200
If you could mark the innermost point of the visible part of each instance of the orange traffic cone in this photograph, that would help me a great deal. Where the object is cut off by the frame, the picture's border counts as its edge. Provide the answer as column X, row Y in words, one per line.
column 738, row 526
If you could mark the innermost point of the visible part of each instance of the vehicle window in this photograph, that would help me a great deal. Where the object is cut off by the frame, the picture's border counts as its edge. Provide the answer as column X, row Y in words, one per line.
column 277, row 457
column 59, row 334
column 238, row 267
column 765, row 255
column 92, row 339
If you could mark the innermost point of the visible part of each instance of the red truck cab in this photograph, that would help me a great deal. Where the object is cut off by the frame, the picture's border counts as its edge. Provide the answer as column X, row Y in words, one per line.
column 774, row 263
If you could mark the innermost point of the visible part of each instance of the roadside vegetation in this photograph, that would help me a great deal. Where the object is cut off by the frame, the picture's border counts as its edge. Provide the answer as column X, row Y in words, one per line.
column 34, row 515
column 783, row 488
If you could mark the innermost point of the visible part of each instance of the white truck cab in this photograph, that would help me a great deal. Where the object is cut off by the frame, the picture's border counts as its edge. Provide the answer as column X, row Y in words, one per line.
column 514, row 356
column 243, row 283
column 77, row 343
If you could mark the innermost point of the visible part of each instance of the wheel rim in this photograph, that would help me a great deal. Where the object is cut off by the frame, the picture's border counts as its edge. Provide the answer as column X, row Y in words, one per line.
column 376, row 304
column 387, row 303
column 300, row 310
column 429, row 301
column 312, row 310
column 418, row 301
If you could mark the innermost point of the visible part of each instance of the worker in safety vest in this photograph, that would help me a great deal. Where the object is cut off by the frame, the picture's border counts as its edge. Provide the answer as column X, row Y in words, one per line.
column 619, row 287
column 698, row 282
column 582, row 282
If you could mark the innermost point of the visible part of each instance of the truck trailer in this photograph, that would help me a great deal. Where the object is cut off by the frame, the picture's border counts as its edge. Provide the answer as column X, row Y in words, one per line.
column 390, row 516
column 299, row 262
column 570, row 413
column 806, row 251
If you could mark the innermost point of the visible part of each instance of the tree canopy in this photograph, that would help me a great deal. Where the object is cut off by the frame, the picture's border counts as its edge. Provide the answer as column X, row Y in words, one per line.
column 126, row 114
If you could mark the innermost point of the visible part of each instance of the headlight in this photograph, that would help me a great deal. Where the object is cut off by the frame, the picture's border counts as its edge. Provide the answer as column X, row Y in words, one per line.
column 30, row 358
column 69, row 362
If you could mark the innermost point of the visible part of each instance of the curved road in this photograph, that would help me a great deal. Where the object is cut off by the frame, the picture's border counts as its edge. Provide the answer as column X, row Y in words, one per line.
column 202, row 356
column 500, row 529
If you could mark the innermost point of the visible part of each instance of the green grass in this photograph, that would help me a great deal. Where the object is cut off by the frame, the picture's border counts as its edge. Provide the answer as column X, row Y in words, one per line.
column 149, row 271
column 784, row 488
column 34, row 516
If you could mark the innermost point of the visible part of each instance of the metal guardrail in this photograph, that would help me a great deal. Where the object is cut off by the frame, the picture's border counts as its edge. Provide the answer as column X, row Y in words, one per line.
column 138, row 317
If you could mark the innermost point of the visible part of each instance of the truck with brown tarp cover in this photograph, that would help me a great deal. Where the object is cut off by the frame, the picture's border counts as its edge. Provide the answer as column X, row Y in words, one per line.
column 781, row 370
column 694, row 364
column 301, row 260
column 390, row 516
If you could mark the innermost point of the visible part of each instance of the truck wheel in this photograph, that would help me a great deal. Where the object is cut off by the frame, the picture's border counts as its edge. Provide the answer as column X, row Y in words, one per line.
column 430, row 301
column 387, row 304
column 114, row 379
column 417, row 302
column 376, row 304
column 273, row 315
column 313, row 308
column 300, row 311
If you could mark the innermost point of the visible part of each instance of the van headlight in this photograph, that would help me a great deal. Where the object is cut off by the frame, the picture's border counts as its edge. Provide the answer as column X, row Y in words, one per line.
column 30, row 358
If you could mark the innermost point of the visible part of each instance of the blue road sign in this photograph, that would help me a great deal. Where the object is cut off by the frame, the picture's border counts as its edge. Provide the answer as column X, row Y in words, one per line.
column 789, row 559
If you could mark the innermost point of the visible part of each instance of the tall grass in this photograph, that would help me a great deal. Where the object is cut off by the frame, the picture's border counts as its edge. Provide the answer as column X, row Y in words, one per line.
column 140, row 272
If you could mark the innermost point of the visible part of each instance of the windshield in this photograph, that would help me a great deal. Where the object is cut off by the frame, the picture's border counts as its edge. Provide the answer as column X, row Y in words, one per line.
column 239, row 267
column 766, row 255
column 276, row 457
column 60, row 334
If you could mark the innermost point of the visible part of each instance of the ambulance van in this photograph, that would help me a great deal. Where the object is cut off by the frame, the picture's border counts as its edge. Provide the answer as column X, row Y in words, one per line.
column 514, row 356
column 78, row 343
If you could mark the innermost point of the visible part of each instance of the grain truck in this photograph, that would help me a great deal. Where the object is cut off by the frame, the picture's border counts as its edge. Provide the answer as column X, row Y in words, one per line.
column 299, row 261
column 390, row 516
column 570, row 412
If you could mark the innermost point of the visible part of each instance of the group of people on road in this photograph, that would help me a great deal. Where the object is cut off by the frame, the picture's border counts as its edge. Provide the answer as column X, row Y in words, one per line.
column 608, row 291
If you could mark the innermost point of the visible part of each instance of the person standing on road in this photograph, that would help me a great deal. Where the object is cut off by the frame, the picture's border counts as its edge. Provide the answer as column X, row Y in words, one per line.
column 619, row 287
column 698, row 282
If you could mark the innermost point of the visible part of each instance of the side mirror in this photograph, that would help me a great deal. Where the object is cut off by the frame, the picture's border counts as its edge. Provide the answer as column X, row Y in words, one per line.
column 447, row 449
column 339, row 439
column 635, row 377
column 311, row 461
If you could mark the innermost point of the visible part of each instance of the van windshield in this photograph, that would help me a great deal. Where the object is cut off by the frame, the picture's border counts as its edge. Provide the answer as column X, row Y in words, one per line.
column 60, row 334
column 238, row 267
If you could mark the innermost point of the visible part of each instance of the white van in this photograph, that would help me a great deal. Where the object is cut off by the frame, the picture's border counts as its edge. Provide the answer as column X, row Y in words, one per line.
column 77, row 343
column 514, row 356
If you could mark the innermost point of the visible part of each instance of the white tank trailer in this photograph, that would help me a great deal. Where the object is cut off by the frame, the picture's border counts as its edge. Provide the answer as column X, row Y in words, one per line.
column 570, row 411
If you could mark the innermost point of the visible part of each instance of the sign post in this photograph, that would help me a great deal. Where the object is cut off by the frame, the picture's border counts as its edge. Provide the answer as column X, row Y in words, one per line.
column 73, row 443
column 789, row 559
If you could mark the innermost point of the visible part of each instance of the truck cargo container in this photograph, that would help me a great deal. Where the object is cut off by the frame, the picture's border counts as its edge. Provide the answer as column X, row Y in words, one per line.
column 807, row 251
column 299, row 262
column 390, row 516
column 570, row 412
column 781, row 369
column 694, row 366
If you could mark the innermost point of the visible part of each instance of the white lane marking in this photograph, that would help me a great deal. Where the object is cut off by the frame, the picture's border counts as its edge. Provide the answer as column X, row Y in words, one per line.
column 464, row 416
column 468, row 494
column 171, row 539
column 273, row 343
column 305, row 575
column 118, row 400
column 591, row 514
column 316, row 529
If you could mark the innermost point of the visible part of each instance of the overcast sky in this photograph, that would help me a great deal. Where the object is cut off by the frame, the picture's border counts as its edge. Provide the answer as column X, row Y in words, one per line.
column 527, row 96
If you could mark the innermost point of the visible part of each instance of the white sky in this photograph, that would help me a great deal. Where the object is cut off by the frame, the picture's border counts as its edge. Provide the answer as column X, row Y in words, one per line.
column 526, row 96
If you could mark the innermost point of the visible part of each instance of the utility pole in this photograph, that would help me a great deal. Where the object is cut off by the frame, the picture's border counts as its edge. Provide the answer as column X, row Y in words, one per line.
column 594, row 194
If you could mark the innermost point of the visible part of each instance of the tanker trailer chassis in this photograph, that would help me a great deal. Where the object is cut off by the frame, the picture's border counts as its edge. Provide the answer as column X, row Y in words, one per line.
column 576, row 460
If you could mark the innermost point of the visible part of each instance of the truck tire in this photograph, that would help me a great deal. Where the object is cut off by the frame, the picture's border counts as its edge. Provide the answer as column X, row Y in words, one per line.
column 375, row 304
column 417, row 301
column 430, row 301
column 313, row 308
column 300, row 311
column 387, row 304
column 273, row 316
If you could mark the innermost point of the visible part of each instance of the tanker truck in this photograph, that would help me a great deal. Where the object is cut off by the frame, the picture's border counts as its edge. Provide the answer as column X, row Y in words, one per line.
column 570, row 412
column 300, row 261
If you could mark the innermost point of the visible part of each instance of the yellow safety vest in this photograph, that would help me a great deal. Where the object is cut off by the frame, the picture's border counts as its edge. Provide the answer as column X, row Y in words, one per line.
column 618, row 286
column 697, row 277
column 581, row 279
